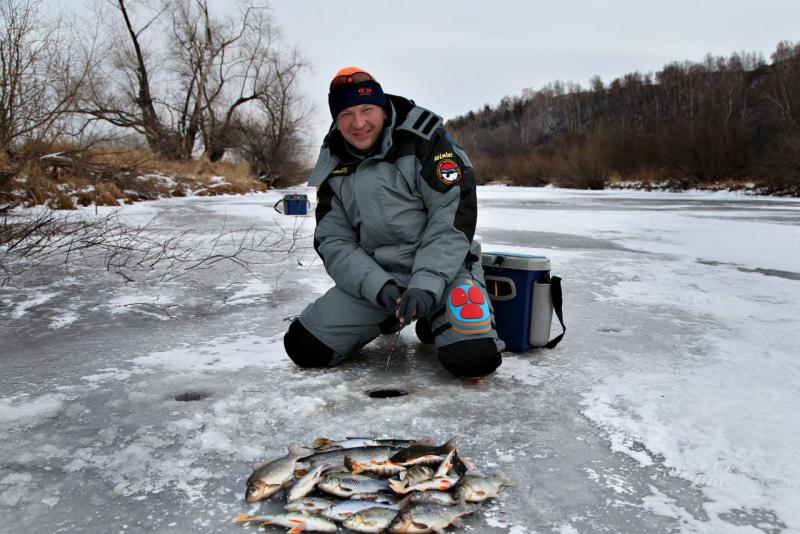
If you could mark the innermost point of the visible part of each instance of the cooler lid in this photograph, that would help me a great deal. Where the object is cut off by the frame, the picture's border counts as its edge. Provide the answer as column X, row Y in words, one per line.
column 515, row 260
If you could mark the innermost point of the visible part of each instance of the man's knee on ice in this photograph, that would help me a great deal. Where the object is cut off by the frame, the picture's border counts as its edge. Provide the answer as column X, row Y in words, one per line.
column 470, row 358
column 304, row 348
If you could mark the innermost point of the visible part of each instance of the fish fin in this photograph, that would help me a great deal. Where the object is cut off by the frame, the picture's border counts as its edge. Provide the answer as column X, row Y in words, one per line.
column 298, row 451
column 295, row 530
column 259, row 465
column 322, row 443
column 503, row 478
column 352, row 465
column 463, row 507
column 446, row 464
column 422, row 526
column 464, row 464
column 397, row 486
column 402, row 503
column 451, row 444
column 243, row 518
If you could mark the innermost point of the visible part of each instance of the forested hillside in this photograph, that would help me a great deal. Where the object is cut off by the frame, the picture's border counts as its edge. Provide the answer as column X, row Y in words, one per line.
column 724, row 122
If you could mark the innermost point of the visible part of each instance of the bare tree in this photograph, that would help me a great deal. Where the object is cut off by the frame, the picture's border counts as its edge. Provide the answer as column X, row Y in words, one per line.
column 271, row 138
column 783, row 87
column 178, row 73
column 233, row 62
column 41, row 70
column 121, row 92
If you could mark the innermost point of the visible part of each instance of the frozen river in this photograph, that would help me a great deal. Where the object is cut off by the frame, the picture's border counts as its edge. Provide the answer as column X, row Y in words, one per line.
column 670, row 406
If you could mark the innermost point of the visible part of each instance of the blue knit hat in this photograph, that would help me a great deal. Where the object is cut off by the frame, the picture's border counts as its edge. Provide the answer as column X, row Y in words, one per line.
column 352, row 86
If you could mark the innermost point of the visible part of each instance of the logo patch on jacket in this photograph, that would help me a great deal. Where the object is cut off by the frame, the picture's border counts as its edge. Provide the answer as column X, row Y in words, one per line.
column 448, row 171
column 342, row 170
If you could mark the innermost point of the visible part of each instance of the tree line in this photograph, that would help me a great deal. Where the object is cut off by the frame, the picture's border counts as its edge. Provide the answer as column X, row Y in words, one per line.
column 725, row 120
column 167, row 76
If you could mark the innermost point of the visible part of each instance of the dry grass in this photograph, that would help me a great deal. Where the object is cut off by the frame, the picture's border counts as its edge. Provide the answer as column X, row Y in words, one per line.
column 124, row 176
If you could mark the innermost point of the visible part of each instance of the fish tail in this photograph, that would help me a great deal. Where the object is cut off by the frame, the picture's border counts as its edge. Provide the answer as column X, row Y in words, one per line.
column 451, row 444
column 243, row 518
column 462, row 502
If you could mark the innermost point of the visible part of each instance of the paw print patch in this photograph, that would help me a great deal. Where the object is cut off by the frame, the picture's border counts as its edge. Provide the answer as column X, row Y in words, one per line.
column 468, row 310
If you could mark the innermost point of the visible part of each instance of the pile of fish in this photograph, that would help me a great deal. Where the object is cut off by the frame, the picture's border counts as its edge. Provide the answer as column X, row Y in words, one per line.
column 371, row 485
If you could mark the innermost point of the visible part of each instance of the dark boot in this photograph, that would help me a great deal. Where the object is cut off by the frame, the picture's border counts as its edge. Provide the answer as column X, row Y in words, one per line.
column 304, row 348
column 473, row 358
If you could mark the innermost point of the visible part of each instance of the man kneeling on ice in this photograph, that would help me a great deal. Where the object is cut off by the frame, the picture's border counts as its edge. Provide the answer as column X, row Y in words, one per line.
column 396, row 217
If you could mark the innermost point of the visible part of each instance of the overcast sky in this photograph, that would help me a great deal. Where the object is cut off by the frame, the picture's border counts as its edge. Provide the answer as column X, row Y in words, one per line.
column 455, row 56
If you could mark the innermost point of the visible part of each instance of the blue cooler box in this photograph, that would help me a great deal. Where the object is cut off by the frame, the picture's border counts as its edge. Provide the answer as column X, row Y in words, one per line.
column 509, row 281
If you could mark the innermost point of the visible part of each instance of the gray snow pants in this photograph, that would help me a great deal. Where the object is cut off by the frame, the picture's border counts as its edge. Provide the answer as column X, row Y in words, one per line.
column 346, row 323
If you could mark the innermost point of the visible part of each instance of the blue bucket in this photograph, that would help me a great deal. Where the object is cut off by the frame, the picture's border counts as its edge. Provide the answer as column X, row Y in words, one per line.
column 293, row 205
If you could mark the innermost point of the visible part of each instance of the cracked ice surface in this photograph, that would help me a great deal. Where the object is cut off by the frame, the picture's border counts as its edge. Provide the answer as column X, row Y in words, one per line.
column 668, row 407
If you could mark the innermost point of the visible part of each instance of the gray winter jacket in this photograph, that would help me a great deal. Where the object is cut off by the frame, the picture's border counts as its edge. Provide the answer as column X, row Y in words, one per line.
column 406, row 213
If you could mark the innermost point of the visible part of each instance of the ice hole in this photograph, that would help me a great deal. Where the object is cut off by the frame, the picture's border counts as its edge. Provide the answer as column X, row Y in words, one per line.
column 189, row 396
column 386, row 393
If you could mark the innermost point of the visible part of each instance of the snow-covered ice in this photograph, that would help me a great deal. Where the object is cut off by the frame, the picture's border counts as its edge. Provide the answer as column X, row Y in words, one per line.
column 669, row 406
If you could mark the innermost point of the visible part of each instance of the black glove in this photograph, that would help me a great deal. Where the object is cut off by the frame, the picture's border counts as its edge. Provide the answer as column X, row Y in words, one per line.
column 415, row 303
column 388, row 296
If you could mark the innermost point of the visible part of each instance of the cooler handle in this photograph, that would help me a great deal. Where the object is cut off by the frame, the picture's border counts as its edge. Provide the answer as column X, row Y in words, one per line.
column 555, row 292
column 276, row 206
column 500, row 279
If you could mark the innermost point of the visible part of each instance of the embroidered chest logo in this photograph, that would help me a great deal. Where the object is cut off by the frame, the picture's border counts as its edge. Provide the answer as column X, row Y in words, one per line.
column 341, row 171
column 448, row 171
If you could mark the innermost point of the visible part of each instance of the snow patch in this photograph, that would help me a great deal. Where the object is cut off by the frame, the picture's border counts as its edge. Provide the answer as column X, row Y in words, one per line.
column 522, row 369
column 14, row 487
column 249, row 292
column 216, row 181
column 36, row 299
column 29, row 412
column 66, row 318
column 230, row 353
column 107, row 374
column 149, row 305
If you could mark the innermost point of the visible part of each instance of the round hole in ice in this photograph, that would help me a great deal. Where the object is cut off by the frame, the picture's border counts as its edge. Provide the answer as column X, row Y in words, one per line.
column 386, row 393
column 189, row 396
